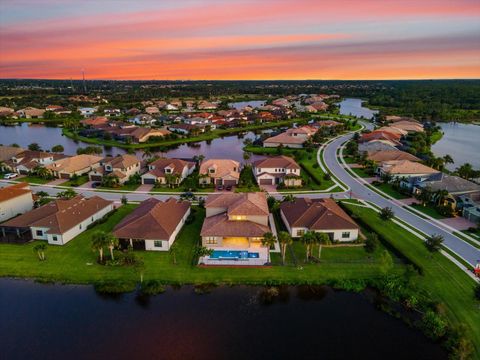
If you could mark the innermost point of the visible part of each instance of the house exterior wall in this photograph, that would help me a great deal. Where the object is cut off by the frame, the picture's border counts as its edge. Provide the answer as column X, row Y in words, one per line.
column 292, row 146
column 18, row 205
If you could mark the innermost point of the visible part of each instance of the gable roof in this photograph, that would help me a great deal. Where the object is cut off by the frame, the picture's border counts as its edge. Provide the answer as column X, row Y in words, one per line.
column 122, row 161
column 316, row 214
column 13, row 191
column 285, row 138
column 7, row 152
column 387, row 155
column 74, row 163
column 277, row 162
column 61, row 215
column 152, row 219
column 223, row 168
column 177, row 166
column 239, row 203
column 406, row 167
column 219, row 225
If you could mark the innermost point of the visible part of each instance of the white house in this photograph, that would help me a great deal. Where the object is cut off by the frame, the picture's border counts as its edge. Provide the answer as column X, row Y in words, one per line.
column 277, row 169
column 15, row 199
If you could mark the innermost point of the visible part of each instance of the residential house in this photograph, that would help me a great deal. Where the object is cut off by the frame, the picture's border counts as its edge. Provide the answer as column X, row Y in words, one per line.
column 281, row 102
column 292, row 138
column 6, row 111
column 112, row 112
column 7, row 152
column 408, row 126
column 381, row 135
column 377, row 145
column 400, row 169
column 470, row 206
column 27, row 160
column 87, row 111
column 171, row 107
column 121, row 166
column 319, row 106
column 318, row 215
column 206, row 105
column 182, row 128
column 388, row 155
column 160, row 171
column 75, row 165
column 153, row 225
column 60, row 220
column 95, row 121
column 237, row 221
column 142, row 134
column 15, row 199
column 31, row 113
column 152, row 110
column 394, row 130
column 276, row 170
column 143, row 119
column 219, row 172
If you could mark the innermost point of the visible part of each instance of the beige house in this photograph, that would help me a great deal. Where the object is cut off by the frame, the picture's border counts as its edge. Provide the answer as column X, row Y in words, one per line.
column 318, row 215
column 75, row 165
column 161, row 170
column 28, row 160
column 122, row 166
column 219, row 172
column 405, row 169
column 292, row 138
column 31, row 113
column 276, row 170
column 142, row 134
column 15, row 199
column 236, row 221
column 60, row 221
column 7, row 152
column 153, row 225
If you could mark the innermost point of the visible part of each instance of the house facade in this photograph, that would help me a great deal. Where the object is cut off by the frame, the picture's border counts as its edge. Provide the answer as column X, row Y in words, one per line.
column 122, row 166
column 219, row 172
column 15, row 199
column 75, row 165
column 276, row 170
column 163, row 171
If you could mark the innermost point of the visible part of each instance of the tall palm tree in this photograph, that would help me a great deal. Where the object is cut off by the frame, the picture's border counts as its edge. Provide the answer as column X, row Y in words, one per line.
column 308, row 239
column 284, row 239
column 99, row 242
column 112, row 244
column 289, row 197
column 441, row 197
column 447, row 159
column 268, row 241
column 42, row 172
column 322, row 239
column 147, row 153
column 40, row 249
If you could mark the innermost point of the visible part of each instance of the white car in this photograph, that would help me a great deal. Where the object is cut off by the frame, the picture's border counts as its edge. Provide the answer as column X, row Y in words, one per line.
column 10, row 176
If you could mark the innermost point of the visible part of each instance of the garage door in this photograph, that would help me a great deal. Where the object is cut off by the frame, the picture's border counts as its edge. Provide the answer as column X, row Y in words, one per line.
column 149, row 181
column 265, row 181
column 229, row 182
column 96, row 177
column 65, row 176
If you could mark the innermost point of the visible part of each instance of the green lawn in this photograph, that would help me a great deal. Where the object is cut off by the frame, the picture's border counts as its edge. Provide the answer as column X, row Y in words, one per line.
column 428, row 210
column 389, row 190
column 442, row 280
column 350, row 160
column 75, row 262
column 79, row 182
column 33, row 179
column 361, row 172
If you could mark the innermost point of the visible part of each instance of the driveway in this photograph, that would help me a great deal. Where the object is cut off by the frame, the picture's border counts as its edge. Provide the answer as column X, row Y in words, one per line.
column 268, row 188
column 145, row 187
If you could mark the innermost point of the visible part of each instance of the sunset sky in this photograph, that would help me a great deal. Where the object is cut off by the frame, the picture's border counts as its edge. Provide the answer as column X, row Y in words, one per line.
column 240, row 39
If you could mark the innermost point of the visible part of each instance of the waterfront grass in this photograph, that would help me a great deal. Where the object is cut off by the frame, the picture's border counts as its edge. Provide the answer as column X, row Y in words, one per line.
column 75, row 262
column 441, row 279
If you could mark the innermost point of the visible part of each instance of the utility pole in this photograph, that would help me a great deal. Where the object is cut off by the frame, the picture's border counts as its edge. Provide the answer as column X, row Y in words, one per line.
column 84, row 85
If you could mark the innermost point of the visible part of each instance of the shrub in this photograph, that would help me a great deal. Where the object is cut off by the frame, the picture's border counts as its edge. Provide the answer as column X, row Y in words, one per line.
column 386, row 213
column 433, row 325
column 315, row 166
column 434, row 243
column 116, row 287
column 372, row 242
column 152, row 287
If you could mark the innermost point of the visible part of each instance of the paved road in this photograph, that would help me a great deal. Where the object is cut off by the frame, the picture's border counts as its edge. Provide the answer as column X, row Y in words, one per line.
column 465, row 250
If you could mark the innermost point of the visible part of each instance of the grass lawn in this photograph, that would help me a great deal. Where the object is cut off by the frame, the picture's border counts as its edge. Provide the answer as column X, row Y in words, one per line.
column 33, row 179
column 125, row 187
column 442, row 280
column 361, row 172
column 79, row 182
column 75, row 262
column 349, row 160
column 428, row 210
column 389, row 190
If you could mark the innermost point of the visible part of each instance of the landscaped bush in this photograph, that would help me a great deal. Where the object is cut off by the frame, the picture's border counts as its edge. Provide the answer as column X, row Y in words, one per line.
column 152, row 287
column 117, row 287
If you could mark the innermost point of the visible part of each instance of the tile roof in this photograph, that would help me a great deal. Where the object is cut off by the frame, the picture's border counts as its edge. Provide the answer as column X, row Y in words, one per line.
column 316, row 214
column 61, row 215
column 13, row 191
column 285, row 138
column 452, row 184
column 277, row 162
column 152, row 219
column 387, row 155
column 74, row 163
column 7, row 152
column 406, row 167
column 177, row 166
column 122, row 161
column 219, row 225
column 223, row 168
column 239, row 203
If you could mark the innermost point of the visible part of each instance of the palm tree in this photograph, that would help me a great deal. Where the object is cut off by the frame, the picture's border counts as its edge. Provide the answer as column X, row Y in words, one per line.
column 99, row 242
column 42, row 172
column 147, row 153
column 465, row 171
column 201, row 251
column 447, row 159
column 268, row 241
column 284, row 239
column 322, row 239
column 139, row 266
column 308, row 239
column 434, row 243
column 112, row 244
column 67, row 194
column 441, row 197
column 201, row 157
column 289, row 197
column 173, row 251
column 40, row 249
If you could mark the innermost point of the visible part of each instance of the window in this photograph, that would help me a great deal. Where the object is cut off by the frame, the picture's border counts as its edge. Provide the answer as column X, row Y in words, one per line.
column 300, row 232
column 211, row 240
column 39, row 233
column 239, row 217
column 211, row 171
column 158, row 243
column 345, row 235
column 54, row 238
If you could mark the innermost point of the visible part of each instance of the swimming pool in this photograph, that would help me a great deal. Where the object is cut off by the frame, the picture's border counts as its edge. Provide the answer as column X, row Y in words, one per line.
column 233, row 255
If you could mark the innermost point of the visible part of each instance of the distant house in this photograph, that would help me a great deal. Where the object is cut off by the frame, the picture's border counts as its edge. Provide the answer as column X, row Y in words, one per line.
column 60, row 221
column 27, row 160
column 292, row 138
column 161, row 169
column 205, row 105
column 143, row 119
column 318, row 215
column 181, row 128
column 15, row 199
column 237, row 221
column 152, row 110
column 122, row 166
column 388, row 155
column 6, row 111
column 219, row 172
column 31, row 113
column 75, row 165
column 87, row 111
column 392, row 137
column 276, row 170
column 408, row 126
column 112, row 112
column 153, row 225
column 377, row 145
column 405, row 169
column 326, row 123
column 95, row 121
column 171, row 107
column 281, row 102
column 141, row 134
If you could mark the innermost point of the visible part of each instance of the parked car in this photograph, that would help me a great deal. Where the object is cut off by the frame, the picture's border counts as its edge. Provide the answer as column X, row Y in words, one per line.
column 220, row 187
column 228, row 188
column 10, row 176
column 96, row 184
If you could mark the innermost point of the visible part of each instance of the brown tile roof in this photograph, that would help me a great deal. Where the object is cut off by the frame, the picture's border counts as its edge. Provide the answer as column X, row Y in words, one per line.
column 74, row 163
column 406, row 167
column 99, row 120
column 122, row 161
column 152, row 219
column 387, row 155
column 223, row 168
column 12, row 191
column 285, row 138
column 316, row 214
column 177, row 166
column 239, row 203
column 7, row 152
column 408, row 126
column 60, row 215
column 277, row 162
column 219, row 225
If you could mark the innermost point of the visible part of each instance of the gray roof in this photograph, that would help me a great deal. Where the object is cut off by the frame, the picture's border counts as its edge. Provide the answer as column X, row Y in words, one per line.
column 453, row 184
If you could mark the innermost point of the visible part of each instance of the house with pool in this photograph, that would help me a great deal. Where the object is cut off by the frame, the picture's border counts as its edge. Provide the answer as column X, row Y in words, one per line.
column 234, row 227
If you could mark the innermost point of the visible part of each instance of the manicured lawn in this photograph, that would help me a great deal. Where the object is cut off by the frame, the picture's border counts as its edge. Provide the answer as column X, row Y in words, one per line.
column 79, row 182
column 76, row 262
column 442, row 280
column 125, row 187
column 389, row 190
column 349, row 160
column 361, row 172
column 33, row 179
column 428, row 210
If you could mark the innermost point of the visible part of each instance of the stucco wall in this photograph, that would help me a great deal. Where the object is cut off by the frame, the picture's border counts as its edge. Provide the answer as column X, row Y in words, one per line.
column 18, row 205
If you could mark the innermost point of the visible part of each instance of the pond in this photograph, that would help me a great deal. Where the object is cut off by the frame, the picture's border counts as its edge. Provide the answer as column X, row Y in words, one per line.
column 72, row 322
column 230, row 147
column 350, row 106
column 461, row 142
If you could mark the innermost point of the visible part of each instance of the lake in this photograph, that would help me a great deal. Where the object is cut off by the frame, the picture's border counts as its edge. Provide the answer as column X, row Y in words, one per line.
column 350, row 106
column 41, row 321
column 228, row 147
column 461, row 142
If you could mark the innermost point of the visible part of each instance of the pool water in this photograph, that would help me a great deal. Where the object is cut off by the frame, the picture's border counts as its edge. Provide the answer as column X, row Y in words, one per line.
column 233, row 255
